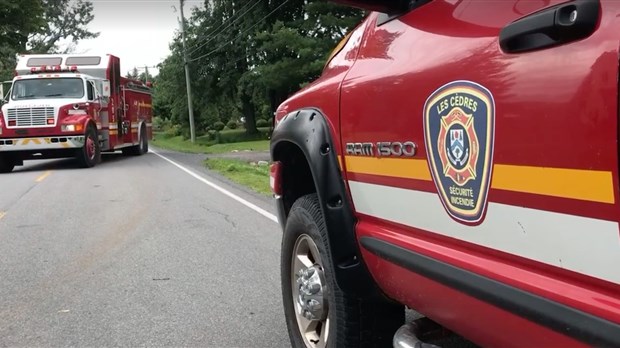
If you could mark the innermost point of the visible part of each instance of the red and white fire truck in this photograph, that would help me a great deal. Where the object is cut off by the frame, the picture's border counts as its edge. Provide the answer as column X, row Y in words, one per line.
column 73, row 106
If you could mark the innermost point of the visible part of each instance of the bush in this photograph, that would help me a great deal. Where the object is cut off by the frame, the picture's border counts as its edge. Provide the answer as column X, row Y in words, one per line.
column 212, row 135
column 161, row 124
column 239, row 135
column 262, row 123
column 186, row 134
column 158, row 123
column 172, row 131
column 218, row 126
column 231, row 124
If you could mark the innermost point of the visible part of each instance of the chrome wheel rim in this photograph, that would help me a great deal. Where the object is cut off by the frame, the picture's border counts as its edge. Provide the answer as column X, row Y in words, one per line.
column 309, row 293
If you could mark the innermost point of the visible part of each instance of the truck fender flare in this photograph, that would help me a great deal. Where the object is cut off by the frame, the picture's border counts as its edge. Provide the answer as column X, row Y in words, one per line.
column 308, row 130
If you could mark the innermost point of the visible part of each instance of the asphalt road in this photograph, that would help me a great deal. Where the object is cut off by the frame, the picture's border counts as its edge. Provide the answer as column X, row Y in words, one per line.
column 135, row 252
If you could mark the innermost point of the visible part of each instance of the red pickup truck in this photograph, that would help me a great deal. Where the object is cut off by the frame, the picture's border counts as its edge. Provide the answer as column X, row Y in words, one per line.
column 459, row 158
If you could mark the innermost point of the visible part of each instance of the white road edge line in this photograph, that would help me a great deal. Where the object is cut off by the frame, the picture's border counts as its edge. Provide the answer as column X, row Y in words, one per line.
column 254, row 207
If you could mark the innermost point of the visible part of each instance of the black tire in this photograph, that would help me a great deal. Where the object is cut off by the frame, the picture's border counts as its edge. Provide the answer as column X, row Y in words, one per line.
column 6, row 165
column 87, row 156
column 353, row 322
column 141, row 148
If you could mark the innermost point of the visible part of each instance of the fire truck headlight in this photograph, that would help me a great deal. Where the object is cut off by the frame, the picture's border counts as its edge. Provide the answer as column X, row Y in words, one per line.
column 71, row 127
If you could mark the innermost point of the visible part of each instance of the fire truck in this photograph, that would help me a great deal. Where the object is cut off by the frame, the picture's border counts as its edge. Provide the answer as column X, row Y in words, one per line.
column 461, row 159
column 64, row 105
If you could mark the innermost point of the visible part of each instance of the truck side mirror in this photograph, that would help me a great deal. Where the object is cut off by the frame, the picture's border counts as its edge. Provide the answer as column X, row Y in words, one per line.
column 106, row 89
column 4, row 98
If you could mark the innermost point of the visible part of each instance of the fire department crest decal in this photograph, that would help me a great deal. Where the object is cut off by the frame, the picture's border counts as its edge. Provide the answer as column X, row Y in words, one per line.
column 459, row 129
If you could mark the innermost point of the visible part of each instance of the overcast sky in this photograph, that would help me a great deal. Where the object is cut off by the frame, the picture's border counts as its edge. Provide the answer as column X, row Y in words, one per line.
column 137, row 31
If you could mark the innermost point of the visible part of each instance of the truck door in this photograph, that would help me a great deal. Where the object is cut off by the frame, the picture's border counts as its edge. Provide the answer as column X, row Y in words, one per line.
column 513, row 114
column 104, row 115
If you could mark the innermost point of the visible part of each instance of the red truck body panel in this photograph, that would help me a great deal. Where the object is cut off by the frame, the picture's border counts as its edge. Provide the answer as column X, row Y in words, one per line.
column 548, row 223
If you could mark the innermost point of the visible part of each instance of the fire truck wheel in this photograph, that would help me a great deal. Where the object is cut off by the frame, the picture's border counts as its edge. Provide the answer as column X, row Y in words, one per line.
column 318, row 313
column 90, row 154
column 141, row 148
column 6, row 164
column 144, row 141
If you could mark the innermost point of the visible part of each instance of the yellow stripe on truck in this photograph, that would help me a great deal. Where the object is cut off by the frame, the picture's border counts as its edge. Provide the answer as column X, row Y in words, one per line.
column 34, row 140
column 408, row 169
column 586, row 185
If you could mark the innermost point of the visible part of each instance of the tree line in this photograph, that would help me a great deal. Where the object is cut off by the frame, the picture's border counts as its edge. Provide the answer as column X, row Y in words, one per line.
column 41, row 26
column 246, row 57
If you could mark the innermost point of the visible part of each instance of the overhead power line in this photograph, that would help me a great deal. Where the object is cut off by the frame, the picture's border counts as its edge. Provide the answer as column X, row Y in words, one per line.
column 215, row 33
column 147, row 67
column 240, row 35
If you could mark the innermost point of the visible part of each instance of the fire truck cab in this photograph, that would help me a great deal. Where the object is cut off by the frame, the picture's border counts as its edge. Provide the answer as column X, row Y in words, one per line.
column 72, row 106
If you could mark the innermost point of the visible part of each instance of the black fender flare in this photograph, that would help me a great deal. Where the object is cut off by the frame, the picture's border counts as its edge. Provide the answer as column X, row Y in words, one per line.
column 309, row 131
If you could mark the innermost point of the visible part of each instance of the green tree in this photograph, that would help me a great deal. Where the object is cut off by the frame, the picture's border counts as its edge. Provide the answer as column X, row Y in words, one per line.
column 37, row 26
column 246, row 57
column 294, row 50
column 19, row 19
column 145, row 76
column 65, row 19
column 133, row 74
column 169, row 100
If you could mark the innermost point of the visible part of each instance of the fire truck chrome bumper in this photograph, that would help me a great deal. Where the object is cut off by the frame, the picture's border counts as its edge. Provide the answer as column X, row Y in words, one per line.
column 44, row 143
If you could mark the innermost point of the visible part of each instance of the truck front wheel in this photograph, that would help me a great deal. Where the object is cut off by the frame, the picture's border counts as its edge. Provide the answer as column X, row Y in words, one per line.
column 88, row 155
column 6, row 164
column 318, row 313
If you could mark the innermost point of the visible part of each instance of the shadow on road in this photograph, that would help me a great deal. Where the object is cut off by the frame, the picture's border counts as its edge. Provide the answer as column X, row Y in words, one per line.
column 67, row 163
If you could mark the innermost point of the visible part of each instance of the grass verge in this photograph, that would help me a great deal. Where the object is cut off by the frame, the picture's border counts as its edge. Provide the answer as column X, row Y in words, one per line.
column 203, row 145
column 179, row 144
column 257, row 145
column 243, row 173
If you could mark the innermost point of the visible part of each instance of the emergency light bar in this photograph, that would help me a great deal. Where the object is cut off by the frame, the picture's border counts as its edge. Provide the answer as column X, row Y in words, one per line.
column 53, row 68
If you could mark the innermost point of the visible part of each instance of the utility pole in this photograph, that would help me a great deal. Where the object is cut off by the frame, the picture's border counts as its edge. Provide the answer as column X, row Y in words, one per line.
column 146, row 74
column 187, row 80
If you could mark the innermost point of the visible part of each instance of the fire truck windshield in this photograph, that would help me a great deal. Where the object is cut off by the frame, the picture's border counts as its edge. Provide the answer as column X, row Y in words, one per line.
column 45, row 88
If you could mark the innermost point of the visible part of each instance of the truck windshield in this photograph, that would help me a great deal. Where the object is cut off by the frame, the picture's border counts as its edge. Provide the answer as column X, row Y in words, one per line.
column 48, row 88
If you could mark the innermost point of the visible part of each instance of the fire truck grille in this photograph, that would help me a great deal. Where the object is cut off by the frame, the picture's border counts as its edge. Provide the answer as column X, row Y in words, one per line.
column 26, row 117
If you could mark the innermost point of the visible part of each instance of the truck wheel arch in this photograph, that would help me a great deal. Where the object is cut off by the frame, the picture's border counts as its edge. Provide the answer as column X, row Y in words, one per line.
column 88, row 122
column 92, row 123
column 141, row 125
column 302, row 142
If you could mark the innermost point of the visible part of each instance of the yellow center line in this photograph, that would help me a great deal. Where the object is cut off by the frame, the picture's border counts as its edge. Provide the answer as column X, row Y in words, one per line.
column 43, row 176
